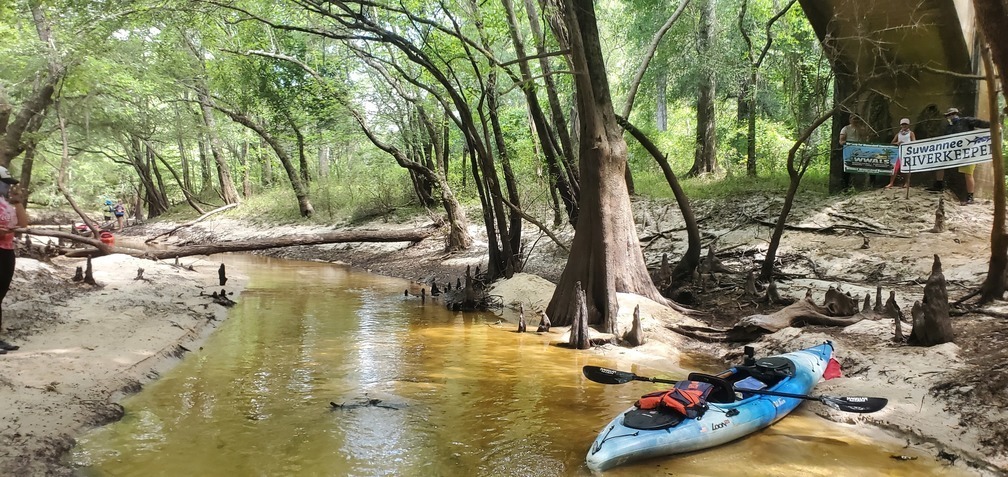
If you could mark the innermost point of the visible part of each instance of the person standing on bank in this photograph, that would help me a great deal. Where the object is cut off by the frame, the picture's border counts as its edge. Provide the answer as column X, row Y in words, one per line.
column 958, row 124
column 853, row 132
column 903, row 136
column 119, row 210
column 12, row 215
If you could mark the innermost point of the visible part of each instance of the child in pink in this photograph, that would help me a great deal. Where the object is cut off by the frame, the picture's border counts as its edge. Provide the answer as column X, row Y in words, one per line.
column 903, row 136
column 12, row 215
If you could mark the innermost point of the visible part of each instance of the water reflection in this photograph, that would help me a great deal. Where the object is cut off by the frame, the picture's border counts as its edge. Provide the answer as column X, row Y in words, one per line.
column 458, row 394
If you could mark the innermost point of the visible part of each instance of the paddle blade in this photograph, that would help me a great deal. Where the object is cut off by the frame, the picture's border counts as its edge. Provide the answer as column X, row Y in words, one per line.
column 860, row 404
column 607, row 376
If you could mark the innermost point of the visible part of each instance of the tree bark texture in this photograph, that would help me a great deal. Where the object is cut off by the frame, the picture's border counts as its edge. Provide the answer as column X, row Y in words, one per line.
column 605, row 255
column 227, row 188
column 691, row 259
column 705, row 159
column 993, row 287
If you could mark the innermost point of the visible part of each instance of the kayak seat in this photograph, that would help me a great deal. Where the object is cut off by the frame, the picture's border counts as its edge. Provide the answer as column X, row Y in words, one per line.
column 722, row 392
column 769, row 370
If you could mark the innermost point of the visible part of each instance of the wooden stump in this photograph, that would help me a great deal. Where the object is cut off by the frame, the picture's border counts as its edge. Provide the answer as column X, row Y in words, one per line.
column 579, row 334
column 89, row 273
column 544, row 322
column 931, row 322
column 521, row 318
column 939, row 225
column 750, row 285
column 878, row 299
column 635, row 337
column 221, row 276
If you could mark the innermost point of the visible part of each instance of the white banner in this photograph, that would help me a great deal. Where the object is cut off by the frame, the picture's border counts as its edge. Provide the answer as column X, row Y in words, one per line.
column 942, row 152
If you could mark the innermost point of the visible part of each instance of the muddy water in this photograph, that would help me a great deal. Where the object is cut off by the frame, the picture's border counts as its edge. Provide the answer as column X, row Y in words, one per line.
column 458, row 394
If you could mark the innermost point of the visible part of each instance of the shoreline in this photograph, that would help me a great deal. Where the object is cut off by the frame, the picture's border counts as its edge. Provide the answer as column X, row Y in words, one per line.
column 923, row 385
column 84, row 347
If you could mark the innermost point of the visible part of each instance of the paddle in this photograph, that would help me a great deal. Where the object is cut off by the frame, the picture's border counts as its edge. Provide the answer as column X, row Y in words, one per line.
column 841, row 403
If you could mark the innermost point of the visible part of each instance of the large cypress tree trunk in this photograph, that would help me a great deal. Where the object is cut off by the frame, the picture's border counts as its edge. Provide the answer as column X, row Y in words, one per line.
column 605, row 255
column 991, row 16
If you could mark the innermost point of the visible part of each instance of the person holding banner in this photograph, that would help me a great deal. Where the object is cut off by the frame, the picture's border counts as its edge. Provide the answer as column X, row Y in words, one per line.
column 958, row 124
column 853, row 132
column 904, row 135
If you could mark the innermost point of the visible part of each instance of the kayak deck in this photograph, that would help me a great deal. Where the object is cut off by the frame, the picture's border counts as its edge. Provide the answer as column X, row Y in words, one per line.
column 733, row 410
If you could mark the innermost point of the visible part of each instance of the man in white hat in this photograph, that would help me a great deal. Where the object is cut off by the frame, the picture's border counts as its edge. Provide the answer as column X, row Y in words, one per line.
column 958, row 124
column 12, row 215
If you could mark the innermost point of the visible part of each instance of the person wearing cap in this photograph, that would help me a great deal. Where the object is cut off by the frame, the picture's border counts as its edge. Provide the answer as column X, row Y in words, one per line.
column 903, row 136
column 12, row 215
column 958, row 124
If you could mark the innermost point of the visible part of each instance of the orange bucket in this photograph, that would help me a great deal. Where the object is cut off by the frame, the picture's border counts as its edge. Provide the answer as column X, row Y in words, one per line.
column 107, row 238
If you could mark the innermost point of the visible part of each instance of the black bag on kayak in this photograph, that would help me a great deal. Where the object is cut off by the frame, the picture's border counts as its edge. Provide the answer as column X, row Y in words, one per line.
column 687, row 398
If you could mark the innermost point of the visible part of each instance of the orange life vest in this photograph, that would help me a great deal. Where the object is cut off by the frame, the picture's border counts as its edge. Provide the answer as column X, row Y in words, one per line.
column 688, row 398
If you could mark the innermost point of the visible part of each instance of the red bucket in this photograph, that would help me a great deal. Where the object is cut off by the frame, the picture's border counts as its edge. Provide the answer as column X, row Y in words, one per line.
column 107, row 238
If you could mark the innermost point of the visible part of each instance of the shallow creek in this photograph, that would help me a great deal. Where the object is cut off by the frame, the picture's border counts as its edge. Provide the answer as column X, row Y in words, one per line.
column 422, row 392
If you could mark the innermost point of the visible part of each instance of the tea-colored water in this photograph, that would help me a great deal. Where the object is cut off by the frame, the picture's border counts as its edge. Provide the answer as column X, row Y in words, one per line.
column 460, row 395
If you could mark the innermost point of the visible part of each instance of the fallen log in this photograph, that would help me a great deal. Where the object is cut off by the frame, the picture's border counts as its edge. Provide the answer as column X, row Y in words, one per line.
column 342, row 236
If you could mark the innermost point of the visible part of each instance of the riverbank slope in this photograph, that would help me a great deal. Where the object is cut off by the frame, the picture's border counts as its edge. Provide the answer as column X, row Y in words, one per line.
column 84, row 346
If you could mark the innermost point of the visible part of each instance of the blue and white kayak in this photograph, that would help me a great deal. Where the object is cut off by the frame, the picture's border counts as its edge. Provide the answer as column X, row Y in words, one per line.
column 730, row 413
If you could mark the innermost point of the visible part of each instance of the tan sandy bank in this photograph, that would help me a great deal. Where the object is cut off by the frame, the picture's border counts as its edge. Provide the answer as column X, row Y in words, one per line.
column 84, row 346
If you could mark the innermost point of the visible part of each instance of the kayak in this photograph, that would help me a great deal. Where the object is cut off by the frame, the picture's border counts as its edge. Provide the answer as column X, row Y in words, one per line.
column 730, row 409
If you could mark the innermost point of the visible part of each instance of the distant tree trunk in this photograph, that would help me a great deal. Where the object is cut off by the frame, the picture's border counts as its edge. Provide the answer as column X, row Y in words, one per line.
column 246, row 170
column 157, row 203
column 151, row 162
column 556, row 106
column 541, row 126
column 324, row 154
column 605, row 255
column 27, row 165
column 747, row 93
column 185, row 192
column 446, row 147
column 645, row 61
column 300, row 190
column 661, row 103
column 266, row 163
column 206, row 182
column 302, row 157
column 508, row 224
column 183, row 150
column 184, row 160
column 458, row 234
column 705, row 157
column 227, row 189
